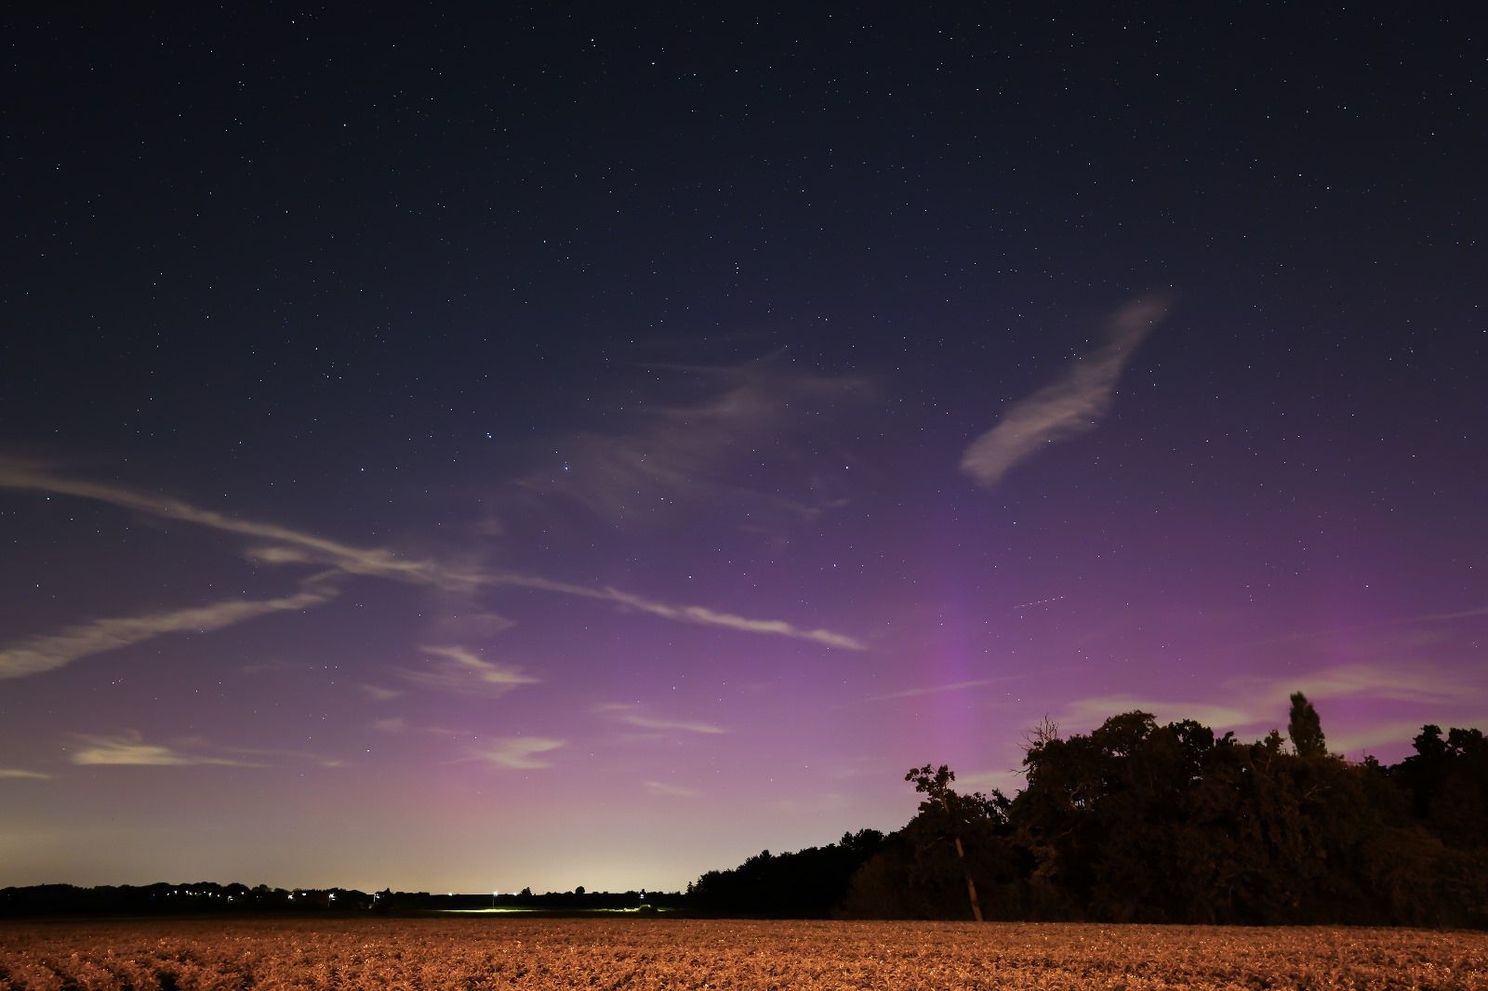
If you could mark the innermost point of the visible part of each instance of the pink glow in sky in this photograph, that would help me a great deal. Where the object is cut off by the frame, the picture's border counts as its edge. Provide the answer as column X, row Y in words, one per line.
column 633, row 446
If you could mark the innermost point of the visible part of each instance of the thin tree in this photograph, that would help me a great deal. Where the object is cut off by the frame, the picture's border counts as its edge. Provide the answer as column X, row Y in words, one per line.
column 935, row 785
column 1306, row 728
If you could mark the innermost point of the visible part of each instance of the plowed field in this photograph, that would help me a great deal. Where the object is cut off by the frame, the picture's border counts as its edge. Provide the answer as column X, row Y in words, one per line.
column 539, row 954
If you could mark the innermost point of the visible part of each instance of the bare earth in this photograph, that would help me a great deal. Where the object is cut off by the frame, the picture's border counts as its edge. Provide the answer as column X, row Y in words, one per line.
column 491, row 952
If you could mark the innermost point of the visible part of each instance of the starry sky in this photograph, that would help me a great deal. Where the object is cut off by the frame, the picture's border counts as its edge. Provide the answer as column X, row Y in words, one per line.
column 589, row 446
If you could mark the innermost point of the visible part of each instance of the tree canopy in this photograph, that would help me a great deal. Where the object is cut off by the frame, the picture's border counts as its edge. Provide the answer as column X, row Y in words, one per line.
column 1138, row 821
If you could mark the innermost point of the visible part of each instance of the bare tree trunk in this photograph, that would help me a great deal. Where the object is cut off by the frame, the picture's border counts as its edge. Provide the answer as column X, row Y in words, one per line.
column 976, row 906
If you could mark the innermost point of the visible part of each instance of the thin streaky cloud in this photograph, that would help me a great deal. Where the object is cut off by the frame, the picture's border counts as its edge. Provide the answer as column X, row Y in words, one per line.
column 677, row 455
column 460, row 617
column 17, row 773
column 700, row 615
column 463, row 671
column 468, row 660
column 1249, row 702
column 47, row 653
column 954, row 686
column 519, row 753
column 297, row 546
column 680, row 725
column 1099, row 708
column 1440, row 617
column 1388, row 734
column 632, row 716
column 379, row 694
column 310, row 756
column 665, row 790
column 130, row 750
column 293, row 547
column 982, row 781
column 1400, row 683
column 709, row 617
column 1070, row 406
column 393, row 724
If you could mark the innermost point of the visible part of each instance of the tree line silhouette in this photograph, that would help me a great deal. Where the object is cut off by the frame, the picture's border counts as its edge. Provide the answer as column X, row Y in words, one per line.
column 1132, row 822
column 211, row 898
column 1141, row 822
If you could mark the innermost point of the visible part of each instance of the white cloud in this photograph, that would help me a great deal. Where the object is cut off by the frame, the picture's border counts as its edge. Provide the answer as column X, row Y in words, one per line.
column 666, row 457
column 16, row 773
column 1230, row 715
column 519, row 752
column 632, row 716
column 1401, row 683
column 47, row 653
column 287, row 546
column 131, row 750
column 379, row 694
column 1248, row 702
column 954, row 686
column 1008, row 782
column 665, row 790
column 306, row 756
column 1067, row 407
column 709, row 617
column 461, row 670
column 393, row 724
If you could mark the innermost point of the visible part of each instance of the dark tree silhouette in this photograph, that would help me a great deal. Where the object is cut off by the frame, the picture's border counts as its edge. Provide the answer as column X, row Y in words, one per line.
column 941, row 801
column 1142, row 822
column 809, row 883
column 1447, row 784
column 1305, row 728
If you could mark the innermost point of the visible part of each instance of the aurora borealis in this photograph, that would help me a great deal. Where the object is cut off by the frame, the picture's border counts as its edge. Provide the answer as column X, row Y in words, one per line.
column 556, row 447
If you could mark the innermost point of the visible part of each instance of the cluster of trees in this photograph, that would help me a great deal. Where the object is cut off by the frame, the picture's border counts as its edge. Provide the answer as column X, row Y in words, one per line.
column 1138, row 821
column 200, row 897
column 209, row 897
column 807, row 884
column 556, row 902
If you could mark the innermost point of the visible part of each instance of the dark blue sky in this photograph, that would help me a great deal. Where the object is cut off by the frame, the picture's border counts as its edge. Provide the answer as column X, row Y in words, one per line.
column 431, row 445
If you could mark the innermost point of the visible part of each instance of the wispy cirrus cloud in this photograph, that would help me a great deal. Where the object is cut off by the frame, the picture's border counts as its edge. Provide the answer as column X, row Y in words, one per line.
column 277, row 754
column 463, row 671
column 392, row 724
column 667, row 457
column 1249, row 703
column 985, row 781
column 47, row 653
column 377, row 693
column 1070, row 406
column 1382, row 734
column 632, row 715
column 1097, row 709
column 17, row 773
column 130, row 750
column 665, row 790
column 1414, row 683
column 709, row 617
column 519, row 753
column 285, row 546
column 945, row 689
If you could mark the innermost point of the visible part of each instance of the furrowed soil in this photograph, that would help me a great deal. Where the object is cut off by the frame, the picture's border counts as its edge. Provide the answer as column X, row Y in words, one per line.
column 489, row 952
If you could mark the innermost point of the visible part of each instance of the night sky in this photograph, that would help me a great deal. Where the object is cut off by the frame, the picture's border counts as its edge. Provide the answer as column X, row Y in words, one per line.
column 567, row 446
